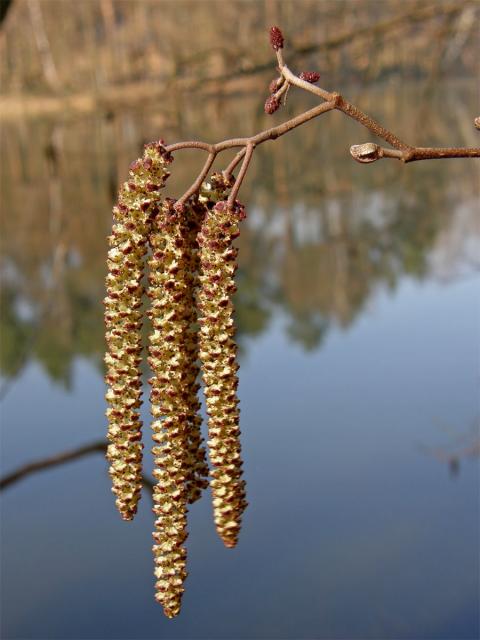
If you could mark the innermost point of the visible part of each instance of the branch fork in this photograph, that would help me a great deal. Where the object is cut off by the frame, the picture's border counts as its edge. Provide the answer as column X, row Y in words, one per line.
column 365, row 153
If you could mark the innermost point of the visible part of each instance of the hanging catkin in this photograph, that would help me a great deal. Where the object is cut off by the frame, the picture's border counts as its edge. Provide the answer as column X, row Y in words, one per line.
column 196, row 209
column 218, row 354
column 181, row 469
column 197, row 478
column 173, row 380
column 123, row 318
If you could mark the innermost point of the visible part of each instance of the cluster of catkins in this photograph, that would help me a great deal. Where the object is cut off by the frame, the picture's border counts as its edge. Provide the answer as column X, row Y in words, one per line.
column 191, row 265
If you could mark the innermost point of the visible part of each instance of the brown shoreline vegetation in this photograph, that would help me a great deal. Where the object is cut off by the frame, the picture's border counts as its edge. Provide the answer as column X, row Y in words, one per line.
column 39, row 75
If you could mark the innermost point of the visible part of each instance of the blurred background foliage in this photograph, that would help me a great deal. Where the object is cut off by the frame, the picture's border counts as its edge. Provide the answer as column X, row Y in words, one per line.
column 85, row 84
column 110, row 50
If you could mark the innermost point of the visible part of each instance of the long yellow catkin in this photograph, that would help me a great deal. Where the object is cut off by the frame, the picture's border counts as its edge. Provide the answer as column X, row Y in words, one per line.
column 218, row 352
column 181, row 469
column 137, row 202
column 170, row 283
column 197, row 478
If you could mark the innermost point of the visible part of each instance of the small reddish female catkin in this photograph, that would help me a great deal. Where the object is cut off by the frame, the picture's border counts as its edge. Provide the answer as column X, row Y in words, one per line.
column 275, row 84
column 123, row 319
column 276, row 38
column 271, row 104
column 218, row 352
column 310, row 76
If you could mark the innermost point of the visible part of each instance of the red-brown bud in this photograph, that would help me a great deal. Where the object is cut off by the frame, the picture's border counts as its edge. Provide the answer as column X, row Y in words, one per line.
column 179, row 207
column 271, row 105
column 275, row 85
column 310, row 76
column 276, row 38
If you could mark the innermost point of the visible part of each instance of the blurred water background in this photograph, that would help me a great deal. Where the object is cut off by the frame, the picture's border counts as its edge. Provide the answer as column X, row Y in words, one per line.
column 357, row 315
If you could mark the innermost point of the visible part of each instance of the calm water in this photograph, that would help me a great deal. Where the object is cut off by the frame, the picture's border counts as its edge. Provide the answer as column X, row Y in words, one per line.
column 358, row 325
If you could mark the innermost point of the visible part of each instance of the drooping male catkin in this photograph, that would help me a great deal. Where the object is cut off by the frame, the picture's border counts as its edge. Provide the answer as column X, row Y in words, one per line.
column 210, row 193
column 218, row 352
column 180, row 466
column 123, row 318
column 198, row 467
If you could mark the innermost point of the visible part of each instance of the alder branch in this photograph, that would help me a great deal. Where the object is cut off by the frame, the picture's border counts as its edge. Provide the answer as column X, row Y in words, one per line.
column 364, row 153
column 243, row 170
column 198, row 182
column 370, row 152
column 52, row 461
column 43, row 464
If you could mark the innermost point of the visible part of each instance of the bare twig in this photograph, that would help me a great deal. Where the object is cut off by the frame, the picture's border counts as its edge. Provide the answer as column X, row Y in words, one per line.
column 364, row 153
column 198, row 182
column 231, row 167
column 52, row 461
column 43, row 464
column 243, row 170
column 370, row 152
column 292, row 79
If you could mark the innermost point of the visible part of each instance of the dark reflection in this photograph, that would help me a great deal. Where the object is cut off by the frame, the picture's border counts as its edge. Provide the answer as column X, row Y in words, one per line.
column 465, row 446
column 59, row 459
column 322, row 236
column 461, row 446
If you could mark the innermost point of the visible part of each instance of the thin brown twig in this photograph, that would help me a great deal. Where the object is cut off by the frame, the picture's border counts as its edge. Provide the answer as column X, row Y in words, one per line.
column 233, row 164
column 365, row 153
column 341, row 104
column 294, row 80
column 198, row 182
column 370, row 152
column 43, row 464
column 190, row 144
column 241, row 174
column 269, row 134
column 282, row 90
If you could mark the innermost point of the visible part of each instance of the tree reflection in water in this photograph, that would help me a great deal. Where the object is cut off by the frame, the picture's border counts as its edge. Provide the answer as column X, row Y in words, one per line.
column 322, row 237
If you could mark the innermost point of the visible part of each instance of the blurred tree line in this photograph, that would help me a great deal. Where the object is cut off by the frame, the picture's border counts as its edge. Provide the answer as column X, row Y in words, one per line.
column 60, row 175
column 322, row 236
column 53, row 46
